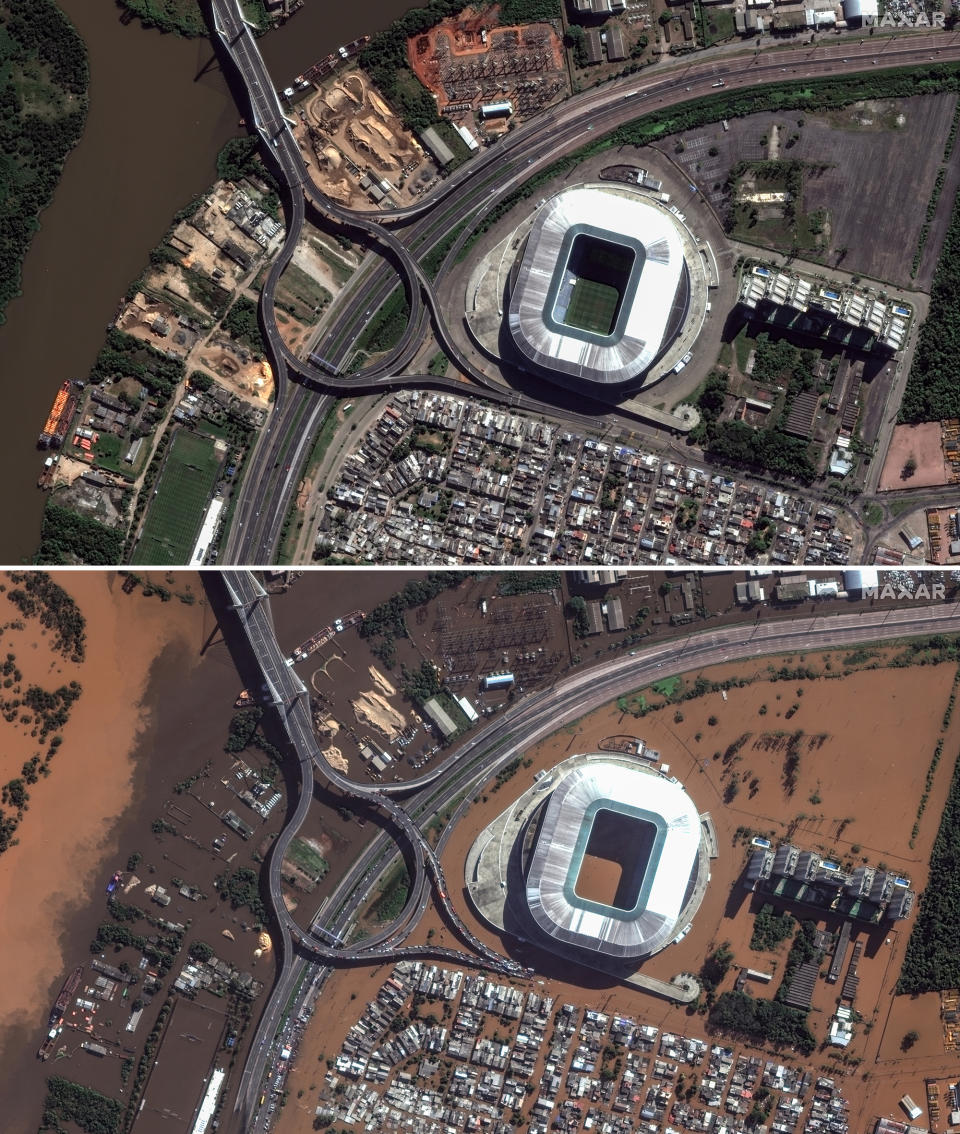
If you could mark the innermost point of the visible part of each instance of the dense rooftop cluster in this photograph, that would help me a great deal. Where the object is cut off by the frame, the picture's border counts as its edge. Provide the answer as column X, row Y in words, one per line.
column 442, row 480
column 488, row 1050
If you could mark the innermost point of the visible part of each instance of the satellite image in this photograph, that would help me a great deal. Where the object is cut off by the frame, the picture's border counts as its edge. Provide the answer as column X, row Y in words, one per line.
column 480, row 578
column 530, row 282
column 624, row 850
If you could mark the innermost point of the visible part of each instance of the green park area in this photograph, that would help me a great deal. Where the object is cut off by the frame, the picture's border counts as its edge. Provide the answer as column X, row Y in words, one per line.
column 180, row 500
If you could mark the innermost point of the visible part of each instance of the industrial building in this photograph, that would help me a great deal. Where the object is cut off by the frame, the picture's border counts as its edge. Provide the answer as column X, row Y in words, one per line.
column 599, row 805
column 594, row 303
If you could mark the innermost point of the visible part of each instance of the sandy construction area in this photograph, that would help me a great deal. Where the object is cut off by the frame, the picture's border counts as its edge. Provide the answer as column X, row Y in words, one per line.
column 381, row 682
column 370, row 708
column 336, row 759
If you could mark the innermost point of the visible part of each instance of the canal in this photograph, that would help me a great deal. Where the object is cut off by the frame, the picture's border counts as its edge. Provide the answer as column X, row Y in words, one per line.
column 159, row 112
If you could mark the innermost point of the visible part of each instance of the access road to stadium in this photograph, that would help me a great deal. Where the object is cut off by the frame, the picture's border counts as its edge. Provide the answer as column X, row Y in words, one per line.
column 273, row 471
column 261, row 664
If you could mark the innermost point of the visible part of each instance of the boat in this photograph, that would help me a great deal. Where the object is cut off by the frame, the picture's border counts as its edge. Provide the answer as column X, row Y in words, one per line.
column 47, row 1046
column 245, row 700
column 70, row 986
column 61, row 413
column 114, row 882
column 311, row 645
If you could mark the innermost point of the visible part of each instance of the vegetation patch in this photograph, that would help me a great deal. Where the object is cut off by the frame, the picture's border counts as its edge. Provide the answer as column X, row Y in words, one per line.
column 306, row 856
column 43, row 94
column 394, row 891
column 761, row 1021
column 36, row 595
column 932, row 962
column 240, row 323
column 67, row 538
column 770, row 929
column 93, row 1112
column 932, row 392
column 386, row 325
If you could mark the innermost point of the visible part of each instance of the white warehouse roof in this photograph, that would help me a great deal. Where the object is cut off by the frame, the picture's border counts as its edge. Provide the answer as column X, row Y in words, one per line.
column 858, row 9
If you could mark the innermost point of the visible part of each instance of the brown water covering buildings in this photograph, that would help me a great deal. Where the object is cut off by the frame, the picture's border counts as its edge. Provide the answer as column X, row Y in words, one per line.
column 159, row 112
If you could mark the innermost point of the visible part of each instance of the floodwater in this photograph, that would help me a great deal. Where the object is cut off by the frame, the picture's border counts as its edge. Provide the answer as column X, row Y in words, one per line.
column 71, row 828
column 906, row 711
column 159, row 112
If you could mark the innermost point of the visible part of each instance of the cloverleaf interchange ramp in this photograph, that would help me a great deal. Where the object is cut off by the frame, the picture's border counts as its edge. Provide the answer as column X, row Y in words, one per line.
column 305, row 389
column 243, row 612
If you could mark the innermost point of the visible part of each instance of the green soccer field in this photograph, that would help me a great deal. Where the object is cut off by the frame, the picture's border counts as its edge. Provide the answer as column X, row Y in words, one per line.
column 180, row 500
column 593, row 306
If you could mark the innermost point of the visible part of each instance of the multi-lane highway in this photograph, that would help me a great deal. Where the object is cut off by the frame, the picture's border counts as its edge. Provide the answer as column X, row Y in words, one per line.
column 272, row 476
column 237, row 596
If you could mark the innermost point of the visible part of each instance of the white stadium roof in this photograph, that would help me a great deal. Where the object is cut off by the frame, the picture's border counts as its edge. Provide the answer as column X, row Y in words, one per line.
column 648, row 314
column 562, row 840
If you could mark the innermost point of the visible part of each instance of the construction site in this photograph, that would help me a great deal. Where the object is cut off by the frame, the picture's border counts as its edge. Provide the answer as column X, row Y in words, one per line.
column 468, row 61
column 356, row 147
column 157, row 323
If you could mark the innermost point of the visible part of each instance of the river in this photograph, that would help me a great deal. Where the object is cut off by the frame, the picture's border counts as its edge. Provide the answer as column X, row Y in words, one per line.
column 159, row 112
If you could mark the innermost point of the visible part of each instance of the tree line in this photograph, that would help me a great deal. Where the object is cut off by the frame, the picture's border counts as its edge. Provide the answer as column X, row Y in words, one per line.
column 932, row 392
column 36, row 41
column 932, row 961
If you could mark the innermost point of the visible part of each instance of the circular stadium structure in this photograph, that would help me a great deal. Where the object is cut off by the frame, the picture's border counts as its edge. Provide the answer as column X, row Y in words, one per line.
column 603, row 287
column 604, row 857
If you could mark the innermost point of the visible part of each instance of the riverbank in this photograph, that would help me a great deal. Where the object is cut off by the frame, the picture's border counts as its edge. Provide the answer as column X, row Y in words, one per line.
column 183, row 17
column 43, row 61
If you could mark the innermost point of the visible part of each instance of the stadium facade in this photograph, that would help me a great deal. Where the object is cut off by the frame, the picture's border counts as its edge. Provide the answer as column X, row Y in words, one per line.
column 658, row 832
column 602, row 288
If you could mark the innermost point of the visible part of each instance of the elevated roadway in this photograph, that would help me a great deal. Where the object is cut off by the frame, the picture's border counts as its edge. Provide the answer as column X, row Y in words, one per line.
column 271, row 480
column 527, row 721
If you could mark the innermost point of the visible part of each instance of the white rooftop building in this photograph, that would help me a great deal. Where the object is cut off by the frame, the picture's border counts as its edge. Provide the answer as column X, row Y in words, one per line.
column 637, row 247
column 657, row 829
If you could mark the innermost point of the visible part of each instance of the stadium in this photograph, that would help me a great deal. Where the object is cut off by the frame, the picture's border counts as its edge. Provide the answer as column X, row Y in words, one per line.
column 604, row 861
column 595, row 306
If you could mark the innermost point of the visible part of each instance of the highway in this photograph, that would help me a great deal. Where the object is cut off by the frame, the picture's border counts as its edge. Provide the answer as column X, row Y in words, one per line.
column 305, row 388
column 238, row 595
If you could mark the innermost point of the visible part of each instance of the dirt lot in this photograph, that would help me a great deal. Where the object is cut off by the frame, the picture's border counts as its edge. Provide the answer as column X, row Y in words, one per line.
column 469, row 60
column 348, row 129
column 233, row 368
column 922, row 443
column 856, row 816
column 157, row 324
column 890, row 150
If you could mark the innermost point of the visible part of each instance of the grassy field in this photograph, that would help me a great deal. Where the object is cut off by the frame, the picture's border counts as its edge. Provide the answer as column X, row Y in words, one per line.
column 308, row 858
column 300, row 294
column 342, row 271
column 593, row 306
column 180, row 500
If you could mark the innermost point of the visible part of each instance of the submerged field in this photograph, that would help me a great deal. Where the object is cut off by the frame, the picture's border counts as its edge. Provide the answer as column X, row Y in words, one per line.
column 867, row 739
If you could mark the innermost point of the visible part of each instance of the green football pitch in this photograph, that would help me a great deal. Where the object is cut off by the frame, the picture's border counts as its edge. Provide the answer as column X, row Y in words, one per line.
column 180, row 500
column 593, row 306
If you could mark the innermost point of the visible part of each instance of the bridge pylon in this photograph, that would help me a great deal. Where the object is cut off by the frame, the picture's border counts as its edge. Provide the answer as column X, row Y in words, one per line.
column 239, row 601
